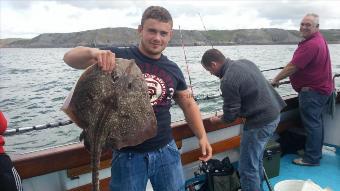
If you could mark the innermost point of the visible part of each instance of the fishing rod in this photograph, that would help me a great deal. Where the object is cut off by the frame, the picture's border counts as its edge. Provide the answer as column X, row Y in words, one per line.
column 270, row 187
column 209, row 97
column 21, row 130
column 272, row 69
column 284, row 82
column 206, row 31
column 185, row 58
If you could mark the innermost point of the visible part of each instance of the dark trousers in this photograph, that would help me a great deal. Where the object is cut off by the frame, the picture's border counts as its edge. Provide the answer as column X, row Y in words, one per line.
column 9, row 177
column 312, row 105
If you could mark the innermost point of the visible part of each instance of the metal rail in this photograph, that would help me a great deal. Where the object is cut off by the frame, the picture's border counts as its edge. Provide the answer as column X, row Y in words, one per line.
column 20, row 130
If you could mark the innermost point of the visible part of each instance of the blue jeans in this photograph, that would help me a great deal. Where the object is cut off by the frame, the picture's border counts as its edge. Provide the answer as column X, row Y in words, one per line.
column 130, row 171
column 311, row 106
column 253, row 142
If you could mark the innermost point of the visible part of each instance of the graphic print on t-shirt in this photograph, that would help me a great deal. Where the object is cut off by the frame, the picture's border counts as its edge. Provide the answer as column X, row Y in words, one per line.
column 163, row 77
column 156, row 88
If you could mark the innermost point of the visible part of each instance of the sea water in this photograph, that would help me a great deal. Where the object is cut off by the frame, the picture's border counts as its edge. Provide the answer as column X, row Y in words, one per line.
column 35, row 82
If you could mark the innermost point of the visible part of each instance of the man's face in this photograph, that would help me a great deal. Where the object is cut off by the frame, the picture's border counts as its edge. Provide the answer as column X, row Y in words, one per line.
column 212, row 68
column 154, row 37
column 308, row 27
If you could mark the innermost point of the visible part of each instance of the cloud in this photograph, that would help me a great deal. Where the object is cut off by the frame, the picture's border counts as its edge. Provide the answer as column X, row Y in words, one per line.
column 84, row 4
column 284, row 12
column 16, row 4
column 102, row 4
column 21, row 18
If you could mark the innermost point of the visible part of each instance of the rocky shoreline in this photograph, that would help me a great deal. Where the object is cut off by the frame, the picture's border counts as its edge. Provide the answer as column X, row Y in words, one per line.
column 128, row 36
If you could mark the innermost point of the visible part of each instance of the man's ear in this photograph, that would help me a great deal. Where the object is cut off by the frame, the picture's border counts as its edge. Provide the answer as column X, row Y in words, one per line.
column 213, row 64
column 140, row 28
column 171, row 33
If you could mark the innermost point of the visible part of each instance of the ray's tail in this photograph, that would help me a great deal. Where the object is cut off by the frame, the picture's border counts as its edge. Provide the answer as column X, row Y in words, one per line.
column 95, row 166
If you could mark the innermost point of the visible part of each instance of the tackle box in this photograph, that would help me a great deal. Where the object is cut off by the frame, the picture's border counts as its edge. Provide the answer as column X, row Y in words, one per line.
column 271, row 158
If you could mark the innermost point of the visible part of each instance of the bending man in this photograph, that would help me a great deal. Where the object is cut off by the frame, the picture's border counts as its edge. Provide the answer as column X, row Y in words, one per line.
column 247, row 94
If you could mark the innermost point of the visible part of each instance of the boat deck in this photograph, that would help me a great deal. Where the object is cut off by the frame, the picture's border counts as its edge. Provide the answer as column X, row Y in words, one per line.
column 325, row 175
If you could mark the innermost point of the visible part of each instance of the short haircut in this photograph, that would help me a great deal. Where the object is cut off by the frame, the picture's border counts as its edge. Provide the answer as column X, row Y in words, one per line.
column 315, row 16
column 212, row 55
column 158, row 13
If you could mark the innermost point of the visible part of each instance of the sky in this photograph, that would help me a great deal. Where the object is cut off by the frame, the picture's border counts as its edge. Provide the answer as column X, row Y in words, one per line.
column 29, row 18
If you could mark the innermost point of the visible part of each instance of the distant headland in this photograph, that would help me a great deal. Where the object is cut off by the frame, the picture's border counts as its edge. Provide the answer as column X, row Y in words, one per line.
column 128, row 36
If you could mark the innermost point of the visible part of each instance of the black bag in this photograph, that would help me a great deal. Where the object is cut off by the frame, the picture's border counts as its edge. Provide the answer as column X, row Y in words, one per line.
column 218, row 176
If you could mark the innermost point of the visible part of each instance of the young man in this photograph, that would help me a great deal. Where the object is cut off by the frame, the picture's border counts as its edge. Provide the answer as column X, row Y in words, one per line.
column 9, row 177
column 310, row 73
column 158, row 158
column 247, row 94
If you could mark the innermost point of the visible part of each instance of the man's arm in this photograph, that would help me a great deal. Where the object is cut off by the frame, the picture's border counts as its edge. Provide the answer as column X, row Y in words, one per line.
column 288, row 70
column 193, row 117
column 231, row 104
column 83, row 57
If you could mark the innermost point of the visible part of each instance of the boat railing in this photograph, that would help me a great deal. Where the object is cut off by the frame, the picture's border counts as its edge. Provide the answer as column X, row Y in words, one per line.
column 75, row 160
column 14, row 131
column 75, row 156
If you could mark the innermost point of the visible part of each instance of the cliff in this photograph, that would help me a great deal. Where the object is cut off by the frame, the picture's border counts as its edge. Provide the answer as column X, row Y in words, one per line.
column 128, row 36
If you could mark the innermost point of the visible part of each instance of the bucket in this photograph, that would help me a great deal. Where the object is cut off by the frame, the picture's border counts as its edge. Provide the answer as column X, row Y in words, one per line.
column 296, row 185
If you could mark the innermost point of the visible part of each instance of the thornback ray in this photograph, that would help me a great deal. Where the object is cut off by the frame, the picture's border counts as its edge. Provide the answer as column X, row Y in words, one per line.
column 113, row 110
